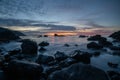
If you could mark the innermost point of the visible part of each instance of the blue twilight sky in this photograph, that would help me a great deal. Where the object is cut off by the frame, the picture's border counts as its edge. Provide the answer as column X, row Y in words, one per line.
column 76, row 13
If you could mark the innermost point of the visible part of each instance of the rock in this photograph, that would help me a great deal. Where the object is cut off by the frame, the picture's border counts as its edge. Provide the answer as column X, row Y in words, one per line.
column 115, row 48
column 44, row 59
column 116, row 53
column 7, row 35
column 29, row 47
column 113, row 65
column 42, row 49
column 81, row 56
column 79, row 72
column 97, row 38
column 45, row 35
column 67, row 62
column 96, row 54
column 14, row 52
column 66, row 45
column 59, row 56
column 105, row 43
column 93, row 45
column 114, row 75
column 42, row 44
column 23, row 69
column 82, row 36
column 115, row 35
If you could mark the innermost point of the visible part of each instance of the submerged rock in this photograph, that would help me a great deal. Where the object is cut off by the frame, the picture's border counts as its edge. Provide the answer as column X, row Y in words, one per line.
column 29, row 47
column 42, row 44
column 44, row 59
column 79, row 72
column 115, row 48
column 66, row 45
column 115, row 35
column 94, row 45
column 23, row 69
column 81, row 56
column 42, row 49
column 97, row 38
column 59, row 56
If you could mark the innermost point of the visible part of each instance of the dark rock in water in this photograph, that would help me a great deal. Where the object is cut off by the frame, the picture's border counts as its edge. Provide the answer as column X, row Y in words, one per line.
column 114, row 75
column 23, row 69
column 14, row 52
column 82, row 36
column 97, row 38
column 42, row 49
column 115, row 35
column 67, row 62
column 29, row 47
column 116, row 53
column 45, row 35
column 7, row 35
column 79, row 72
column 105, row 43
column 59, row 56
column 113, row 65
column 93, row 45
column 66, row 45
column 19, row 33
column 44, row 44
column 115, row 48
column 96, row 54
column 44, row 59
column 81, row 56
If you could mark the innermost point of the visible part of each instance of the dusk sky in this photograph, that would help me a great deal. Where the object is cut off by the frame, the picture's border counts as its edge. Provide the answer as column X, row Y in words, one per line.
column 59, row 14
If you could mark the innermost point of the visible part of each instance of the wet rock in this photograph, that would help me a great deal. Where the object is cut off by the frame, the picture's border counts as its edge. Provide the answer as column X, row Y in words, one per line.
column 66, row 45
column 7, row 35
column 115, row 35
column 44, row 59
column 105, row 43
column 42, row 44
column 59, row 56
column 82, row 36
column 81, row 56
column 113, row 65
column 93, row 45
column 45, row 35
column 42, row 49
column 79, row 72
column 97, row 38
column 23, row 69
column 115, row 48
column 116, row 53
column 96, row 54
column 114, row 75
column 14, row 52
column 67, row 62
column 29, row 47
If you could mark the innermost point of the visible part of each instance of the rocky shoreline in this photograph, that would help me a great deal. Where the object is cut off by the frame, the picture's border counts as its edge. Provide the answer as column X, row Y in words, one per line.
column 16, row 65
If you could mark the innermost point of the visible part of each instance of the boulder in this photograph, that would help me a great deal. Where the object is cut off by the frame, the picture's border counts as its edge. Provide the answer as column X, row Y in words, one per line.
column 23, row 69
column 59, row 56
column 42, row 44
column 115, row 48
column 7, row 35
column 66, row 45
column 81, row 56
column 79, row 71
column 42, row 49
column 44, row 59
column 115, row 35
column 14, row 52
column 29, row 47
column 97, row 38
column 114, row 75
column 94, row 45
column 105, row 43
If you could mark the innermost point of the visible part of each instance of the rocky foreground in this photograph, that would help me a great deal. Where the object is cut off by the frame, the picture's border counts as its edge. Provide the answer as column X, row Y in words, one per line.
column 16, row 65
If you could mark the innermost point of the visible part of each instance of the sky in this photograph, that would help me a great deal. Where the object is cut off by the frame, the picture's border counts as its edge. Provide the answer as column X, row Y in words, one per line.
column 35, row 15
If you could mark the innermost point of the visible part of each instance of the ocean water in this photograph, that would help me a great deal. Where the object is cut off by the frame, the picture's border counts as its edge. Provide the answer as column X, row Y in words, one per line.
column 57, row 44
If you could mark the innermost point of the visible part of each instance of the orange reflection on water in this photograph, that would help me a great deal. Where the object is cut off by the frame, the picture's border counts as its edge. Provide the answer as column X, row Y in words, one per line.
column 61, row 33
